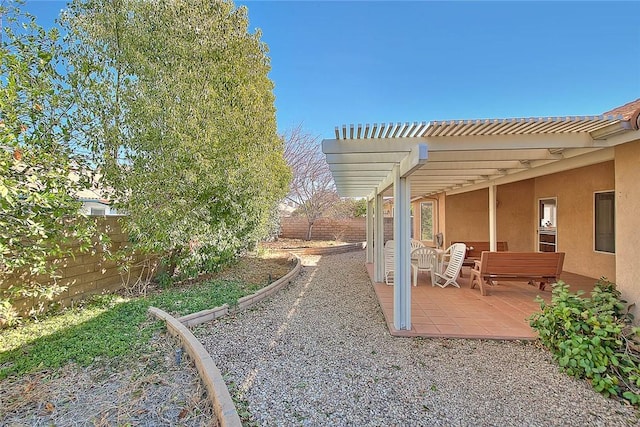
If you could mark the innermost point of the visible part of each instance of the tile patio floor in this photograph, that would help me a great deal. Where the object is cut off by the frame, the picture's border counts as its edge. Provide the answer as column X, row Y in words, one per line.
column 464, row 313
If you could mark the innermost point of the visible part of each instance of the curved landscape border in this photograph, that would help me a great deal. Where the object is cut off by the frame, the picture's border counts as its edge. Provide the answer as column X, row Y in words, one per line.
column 328, row 250
column 223, row 405
column 244, row 302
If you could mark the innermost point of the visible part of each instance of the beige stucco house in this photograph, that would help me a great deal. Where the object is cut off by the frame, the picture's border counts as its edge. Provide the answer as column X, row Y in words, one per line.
column 567, row 184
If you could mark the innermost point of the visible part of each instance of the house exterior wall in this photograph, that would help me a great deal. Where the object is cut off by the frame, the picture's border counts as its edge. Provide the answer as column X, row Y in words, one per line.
column 442, row 217
column 467, row 217
column 627, row 180
column 415, row 222
column 467, row 214
column 574, row 190
column 89, row 205
column 515, row 216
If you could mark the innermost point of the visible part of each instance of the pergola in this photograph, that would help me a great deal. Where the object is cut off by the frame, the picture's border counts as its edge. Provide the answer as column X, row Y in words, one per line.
column 414, row 160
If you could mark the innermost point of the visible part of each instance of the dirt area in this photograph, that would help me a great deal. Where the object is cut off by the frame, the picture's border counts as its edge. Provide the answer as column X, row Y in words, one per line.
column 284, row 244
column 261, row 269
column 152, row 390
column 161, row 388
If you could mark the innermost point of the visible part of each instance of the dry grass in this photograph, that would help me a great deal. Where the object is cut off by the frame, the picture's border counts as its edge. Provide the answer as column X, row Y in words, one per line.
column 151, row 390
column 284, row 244
column 253, row 269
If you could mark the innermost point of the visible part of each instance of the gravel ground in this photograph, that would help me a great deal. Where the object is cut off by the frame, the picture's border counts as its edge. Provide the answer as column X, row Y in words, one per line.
column 319, row 353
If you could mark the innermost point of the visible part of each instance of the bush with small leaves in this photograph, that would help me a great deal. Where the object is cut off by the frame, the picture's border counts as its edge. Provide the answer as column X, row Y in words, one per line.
column 592, row 338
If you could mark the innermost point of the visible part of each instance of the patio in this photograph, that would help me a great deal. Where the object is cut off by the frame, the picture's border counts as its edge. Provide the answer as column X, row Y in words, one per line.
column 463, row 313
column 519, row 180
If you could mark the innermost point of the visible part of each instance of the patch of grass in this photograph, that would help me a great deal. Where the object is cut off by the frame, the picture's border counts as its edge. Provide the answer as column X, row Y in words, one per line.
column 107, row 327
column 202, row 296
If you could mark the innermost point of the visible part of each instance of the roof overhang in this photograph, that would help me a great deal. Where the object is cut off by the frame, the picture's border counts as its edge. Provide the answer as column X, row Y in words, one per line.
column 463, row 155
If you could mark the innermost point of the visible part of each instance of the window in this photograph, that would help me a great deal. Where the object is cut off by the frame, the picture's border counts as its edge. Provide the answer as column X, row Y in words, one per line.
column 604, row 221
column 426, row 221
column 98, row 211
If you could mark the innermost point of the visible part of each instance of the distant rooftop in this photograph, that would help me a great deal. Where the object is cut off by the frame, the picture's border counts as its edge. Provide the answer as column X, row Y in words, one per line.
column 626, row 110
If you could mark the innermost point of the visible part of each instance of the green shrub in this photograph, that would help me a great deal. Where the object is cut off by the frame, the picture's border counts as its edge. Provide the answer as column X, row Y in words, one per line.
column 592, row 338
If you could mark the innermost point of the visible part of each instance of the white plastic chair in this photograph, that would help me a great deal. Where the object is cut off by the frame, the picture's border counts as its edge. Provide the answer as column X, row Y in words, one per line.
column 389, row 261
column 423, row 259
column 450, row 275
column 415, row 244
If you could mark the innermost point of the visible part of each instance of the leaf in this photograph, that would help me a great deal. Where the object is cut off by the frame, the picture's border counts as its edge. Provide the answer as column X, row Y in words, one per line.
column 183, row 413
column 614, row 361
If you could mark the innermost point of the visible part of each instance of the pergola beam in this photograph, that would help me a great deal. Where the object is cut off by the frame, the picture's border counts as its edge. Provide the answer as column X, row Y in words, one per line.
column 457, row 143
column 588, row 159
column 463, row 155
column 417, row 157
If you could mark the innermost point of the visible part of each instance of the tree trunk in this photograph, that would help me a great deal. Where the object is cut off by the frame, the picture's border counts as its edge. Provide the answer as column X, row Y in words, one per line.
column 309, row 231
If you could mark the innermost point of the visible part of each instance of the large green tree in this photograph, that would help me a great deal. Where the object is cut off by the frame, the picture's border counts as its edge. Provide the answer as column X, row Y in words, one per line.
column 180, row 117
column 40, row 169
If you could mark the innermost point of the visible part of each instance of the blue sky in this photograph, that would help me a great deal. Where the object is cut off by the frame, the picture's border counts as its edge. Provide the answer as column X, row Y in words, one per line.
column 337, row 62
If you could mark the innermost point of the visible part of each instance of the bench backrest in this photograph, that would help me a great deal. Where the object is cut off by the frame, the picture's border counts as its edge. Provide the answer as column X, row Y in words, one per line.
column 539, row 264
column 475, row 249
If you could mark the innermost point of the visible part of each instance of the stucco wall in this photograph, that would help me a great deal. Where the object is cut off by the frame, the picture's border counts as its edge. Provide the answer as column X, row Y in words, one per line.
column 467, row 217
column 574, row 190
column 515, row 215
column 627, row 179
column 467, row 214
column 442, row 216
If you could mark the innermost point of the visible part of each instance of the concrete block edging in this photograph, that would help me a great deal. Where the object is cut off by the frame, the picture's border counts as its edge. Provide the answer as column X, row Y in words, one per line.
column 330, row 250
column 244, row 302
column 223, row 405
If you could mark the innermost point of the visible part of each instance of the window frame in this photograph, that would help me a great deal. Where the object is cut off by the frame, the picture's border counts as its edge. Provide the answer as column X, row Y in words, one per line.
column 97, row 211
column 433, row 220
column 595, row 222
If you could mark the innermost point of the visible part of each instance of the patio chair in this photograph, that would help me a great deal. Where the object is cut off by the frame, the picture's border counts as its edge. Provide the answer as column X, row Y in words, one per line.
column 450, row 275
column 389, row 262
column 415, row 244
column 423, row 259
column 445, row 256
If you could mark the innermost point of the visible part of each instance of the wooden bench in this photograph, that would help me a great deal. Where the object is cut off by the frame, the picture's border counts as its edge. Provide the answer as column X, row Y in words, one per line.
column 475, row 249
column 543, row 267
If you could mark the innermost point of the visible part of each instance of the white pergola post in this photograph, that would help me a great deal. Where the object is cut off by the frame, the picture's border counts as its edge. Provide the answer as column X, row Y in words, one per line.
column 492, row 218
column 378, row 240
column 370, row 225
column 402, row 237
